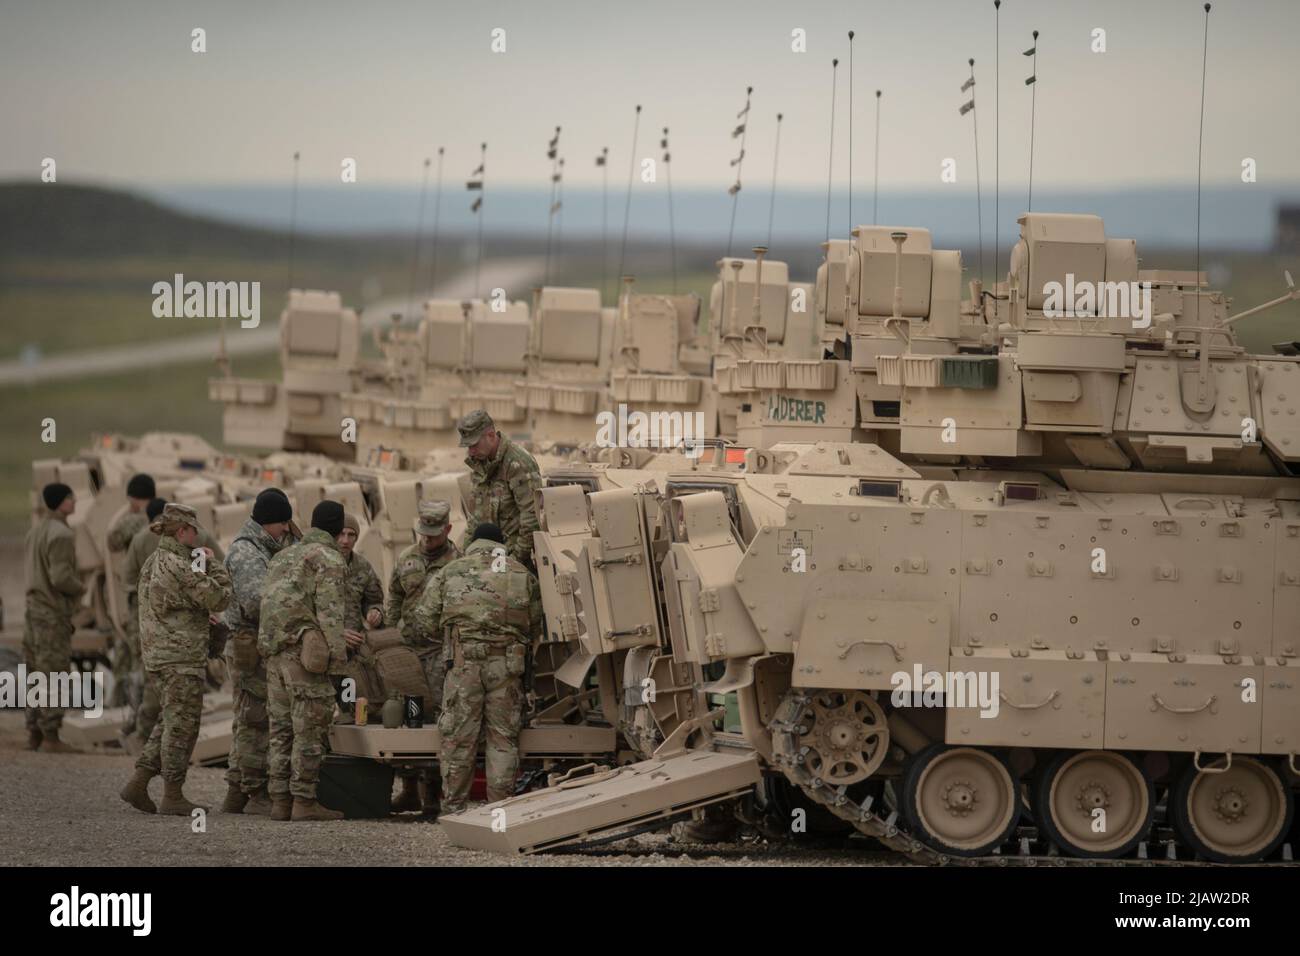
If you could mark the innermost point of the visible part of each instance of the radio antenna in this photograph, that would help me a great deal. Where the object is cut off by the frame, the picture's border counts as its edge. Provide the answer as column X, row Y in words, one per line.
column 969, row 107
column 672, row 231
column 552, row 153
column 419, row 237
column 437, row 216
column 293, row 216
column 476, row 207
column 997, row 147
column 776, row 155
column 830, row 152
column 603, row 162
column 850, row 132
column 742, row 132
column 1033, row 108
column 1200, row 142
column 627, row 206
column 875, row 166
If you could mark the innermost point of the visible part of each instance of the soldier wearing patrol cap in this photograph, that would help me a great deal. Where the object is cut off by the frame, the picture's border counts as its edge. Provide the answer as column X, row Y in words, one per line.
column 505, row 478
column 432, row 550
column 181, row 587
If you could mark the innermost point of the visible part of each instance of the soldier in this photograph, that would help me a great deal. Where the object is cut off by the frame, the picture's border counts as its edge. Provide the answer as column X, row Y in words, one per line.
column 144, row 696
column 261, row 537
column 139, row 492
column 181, row 587
column 488, row 606
column 365, row 608
column 432, row 550
column 301, row 636
column 505, row 478
column 53, row 588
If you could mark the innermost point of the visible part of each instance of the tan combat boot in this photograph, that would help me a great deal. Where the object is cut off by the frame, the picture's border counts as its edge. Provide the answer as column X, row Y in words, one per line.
column 235, row 800
column 409, row 799
column 34, row 738
column 174, row 801
column 259, row 804
column 136, row 791
column 282, row 807
column 304, row 809
column 53, row 745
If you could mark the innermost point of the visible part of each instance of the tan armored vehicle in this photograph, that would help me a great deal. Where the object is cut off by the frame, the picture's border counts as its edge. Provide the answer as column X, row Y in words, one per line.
column 1018, row 558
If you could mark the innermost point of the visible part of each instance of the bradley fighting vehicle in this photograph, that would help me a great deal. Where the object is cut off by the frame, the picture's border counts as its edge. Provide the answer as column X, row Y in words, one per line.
column 1030, row 557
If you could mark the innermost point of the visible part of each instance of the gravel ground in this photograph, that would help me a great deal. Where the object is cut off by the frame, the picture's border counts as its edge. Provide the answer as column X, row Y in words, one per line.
column 63, row 810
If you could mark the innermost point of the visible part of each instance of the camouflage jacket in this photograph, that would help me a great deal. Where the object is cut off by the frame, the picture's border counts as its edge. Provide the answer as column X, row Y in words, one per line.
column 125, row 529
column 53, row 583
column 305, row 590
column 250, row 556
column 410, row 574
column 496, row 606
column 175, row 601
column 145, row 543
column 364, row 592
column 503, row 494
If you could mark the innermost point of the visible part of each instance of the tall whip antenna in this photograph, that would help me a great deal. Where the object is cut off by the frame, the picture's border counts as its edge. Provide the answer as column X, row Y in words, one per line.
column 627, row 206
column 1200, row 140
column 875, row 166
column 850, row 132
column 552, row 153
column 969, row 107
column 437, row 217
column 997, row 147
column 672, row 230
column 741, row 132
column 477, row 208
column 776, row 155
column 830, row 157
column 419, row 238
column 603, row 162
column 293, row 216
column 1033, row 108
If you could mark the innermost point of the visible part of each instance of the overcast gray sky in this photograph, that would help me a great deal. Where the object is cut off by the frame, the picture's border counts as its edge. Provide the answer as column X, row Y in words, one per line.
column 111, row 90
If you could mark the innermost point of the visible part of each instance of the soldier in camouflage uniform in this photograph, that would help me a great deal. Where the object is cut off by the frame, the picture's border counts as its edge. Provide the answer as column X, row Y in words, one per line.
column 505, row 478
column 144, row 696
column 301, row 635
column 181, row 588
column 488, row 606
column 126, row 654
column 432, row 550
column 53, row 588
column 262, row 536
column 365, row 609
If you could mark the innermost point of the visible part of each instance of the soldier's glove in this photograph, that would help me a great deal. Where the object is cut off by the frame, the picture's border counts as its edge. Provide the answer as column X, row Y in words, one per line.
column 218, row 634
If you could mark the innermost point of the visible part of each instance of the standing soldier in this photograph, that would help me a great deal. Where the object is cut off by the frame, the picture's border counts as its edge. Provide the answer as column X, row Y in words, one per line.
column 181, row 586
column 262, row 536
column 53, row 587
column 139, row 492
column 144, row 696
column 505, row 478
column 365, row 606
column 432, row 550
column 489, row 607
column 301, row 636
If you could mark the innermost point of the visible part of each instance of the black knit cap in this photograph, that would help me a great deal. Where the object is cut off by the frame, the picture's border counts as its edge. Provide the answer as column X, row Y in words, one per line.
column 141, row 486
column 272, row 506
column 328, row 516
column 54, row 493
column 489, row 531
column 155, row 507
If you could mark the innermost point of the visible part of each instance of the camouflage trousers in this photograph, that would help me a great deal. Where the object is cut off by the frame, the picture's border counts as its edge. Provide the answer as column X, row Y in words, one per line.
column 435, row 672
column 171, row 743
column 300, row 705
column 126, row 656
column 47, row 648
column 480, row 692
column 149, row 708
column 250, row 729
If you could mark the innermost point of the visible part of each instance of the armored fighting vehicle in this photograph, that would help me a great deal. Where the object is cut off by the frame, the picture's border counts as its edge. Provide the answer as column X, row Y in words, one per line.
column 1028, row 558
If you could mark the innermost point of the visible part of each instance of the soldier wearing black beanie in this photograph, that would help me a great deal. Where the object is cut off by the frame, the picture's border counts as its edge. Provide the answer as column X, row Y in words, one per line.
column 271, row 507
column 328, row 516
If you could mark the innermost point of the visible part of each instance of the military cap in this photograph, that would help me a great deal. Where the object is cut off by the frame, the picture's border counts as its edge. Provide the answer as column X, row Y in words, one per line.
column 473, row 425
column 174, row 516
column 433, row 517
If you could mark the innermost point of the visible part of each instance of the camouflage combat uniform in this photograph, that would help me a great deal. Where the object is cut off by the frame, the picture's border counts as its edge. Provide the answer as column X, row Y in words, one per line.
column 490, row 617
column 53, row 587
column 126, row 653
column 144, row 695
column 363, row 594
column 304, row 590
column 175, row 601
column 250, row 556
column 503, row 495
column 412, row 572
